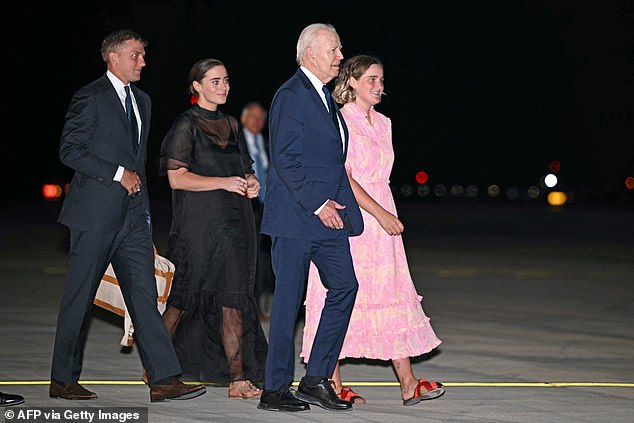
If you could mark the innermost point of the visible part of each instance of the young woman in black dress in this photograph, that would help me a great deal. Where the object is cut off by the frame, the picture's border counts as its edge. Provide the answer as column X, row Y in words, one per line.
column 211, row 312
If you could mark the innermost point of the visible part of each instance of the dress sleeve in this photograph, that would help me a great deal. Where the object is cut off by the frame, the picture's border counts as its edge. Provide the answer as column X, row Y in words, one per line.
column 352, row 157
column 177, row 148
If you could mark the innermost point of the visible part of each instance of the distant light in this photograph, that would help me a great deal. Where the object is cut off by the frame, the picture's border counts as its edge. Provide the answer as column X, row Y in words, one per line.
column 457, row 190
column 533, row 192
column 512, row 193
column 51, row 191
column 629, row 182
column 554, row 166
column 472, row 191
column 407, row 190
column 423, row 190
column 493, row 190
column 570, row 197
column 422, row 177
column 556, row 198
column 550, row 180
column 440, row 190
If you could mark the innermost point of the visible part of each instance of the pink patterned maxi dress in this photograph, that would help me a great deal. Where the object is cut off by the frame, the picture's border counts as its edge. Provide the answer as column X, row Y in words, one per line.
column 388, row 321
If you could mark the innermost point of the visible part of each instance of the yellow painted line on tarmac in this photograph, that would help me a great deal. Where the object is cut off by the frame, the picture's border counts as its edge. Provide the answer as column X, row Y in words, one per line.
column 85, row 382
column 377, row 384
column 505, row 384
column 542, row 384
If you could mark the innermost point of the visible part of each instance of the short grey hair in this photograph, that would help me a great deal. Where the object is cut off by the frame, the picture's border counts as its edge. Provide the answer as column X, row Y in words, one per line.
column 308, row 37
column 252, row 105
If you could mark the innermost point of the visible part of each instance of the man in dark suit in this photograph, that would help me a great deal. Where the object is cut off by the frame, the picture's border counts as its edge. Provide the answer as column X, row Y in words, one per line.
column 252, row 121
column 309, row 213
column 104, row 140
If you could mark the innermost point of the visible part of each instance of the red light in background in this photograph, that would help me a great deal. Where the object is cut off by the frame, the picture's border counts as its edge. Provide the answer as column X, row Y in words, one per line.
column 51, row 191
column 554, row 166
column 629, row 182
column 422, row 177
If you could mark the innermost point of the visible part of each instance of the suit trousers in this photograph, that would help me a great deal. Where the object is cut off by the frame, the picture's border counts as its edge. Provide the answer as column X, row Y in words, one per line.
column 131, row 252
column 291, row 259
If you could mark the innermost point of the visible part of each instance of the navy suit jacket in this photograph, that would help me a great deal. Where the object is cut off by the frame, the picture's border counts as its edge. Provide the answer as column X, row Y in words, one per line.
column 306, row 165
column 95, row 140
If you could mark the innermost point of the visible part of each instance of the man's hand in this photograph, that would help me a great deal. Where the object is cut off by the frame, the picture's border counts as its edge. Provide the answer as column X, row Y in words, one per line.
column 131, row 182
column 329, row 216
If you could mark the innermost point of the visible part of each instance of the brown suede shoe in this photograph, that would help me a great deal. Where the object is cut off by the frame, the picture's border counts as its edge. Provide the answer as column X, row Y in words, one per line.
column 176, row 390
column 70, row 391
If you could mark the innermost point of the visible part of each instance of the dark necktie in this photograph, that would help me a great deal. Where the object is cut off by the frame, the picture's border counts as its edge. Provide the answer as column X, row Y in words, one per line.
column 129, row 109
column 331, row 106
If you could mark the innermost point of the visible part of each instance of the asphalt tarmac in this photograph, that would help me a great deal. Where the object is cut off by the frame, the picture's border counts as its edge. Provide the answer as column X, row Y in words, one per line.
column 534, row 305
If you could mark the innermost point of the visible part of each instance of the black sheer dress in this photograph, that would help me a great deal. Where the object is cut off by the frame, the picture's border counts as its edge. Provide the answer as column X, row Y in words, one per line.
column 211, row 311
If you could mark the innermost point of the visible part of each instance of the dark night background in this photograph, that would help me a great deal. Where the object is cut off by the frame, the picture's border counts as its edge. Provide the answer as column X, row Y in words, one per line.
column 479, row 92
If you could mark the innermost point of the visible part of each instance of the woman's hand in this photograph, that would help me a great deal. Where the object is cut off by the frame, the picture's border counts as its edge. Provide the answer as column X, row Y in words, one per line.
column 253, row 186
column 390, row 223
column 237, row 184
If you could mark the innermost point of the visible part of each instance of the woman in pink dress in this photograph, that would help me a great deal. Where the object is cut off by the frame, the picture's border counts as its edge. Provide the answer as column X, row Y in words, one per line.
column 388, row 322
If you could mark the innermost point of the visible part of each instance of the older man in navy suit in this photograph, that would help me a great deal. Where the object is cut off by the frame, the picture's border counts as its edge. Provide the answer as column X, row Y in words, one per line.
column 107, row 209
column 310, row 211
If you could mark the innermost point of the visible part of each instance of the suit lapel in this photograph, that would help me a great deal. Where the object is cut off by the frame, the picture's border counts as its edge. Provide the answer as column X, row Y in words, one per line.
column 112, row 97
column 143, row 115
column 142, row 112
column 319, row 105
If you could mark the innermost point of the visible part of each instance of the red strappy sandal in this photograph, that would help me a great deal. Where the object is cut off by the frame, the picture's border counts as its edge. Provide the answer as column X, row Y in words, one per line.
column 425, row 391
column 349, row 395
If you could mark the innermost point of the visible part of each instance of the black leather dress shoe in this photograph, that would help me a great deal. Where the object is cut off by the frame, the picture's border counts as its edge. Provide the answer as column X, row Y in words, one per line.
column 7, row 400
column 322, row 395
column 70, row 391
column 282, row 400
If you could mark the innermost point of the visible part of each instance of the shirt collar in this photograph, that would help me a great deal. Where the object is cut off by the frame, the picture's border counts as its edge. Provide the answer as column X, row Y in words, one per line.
column 116, row 82
column 315, row 81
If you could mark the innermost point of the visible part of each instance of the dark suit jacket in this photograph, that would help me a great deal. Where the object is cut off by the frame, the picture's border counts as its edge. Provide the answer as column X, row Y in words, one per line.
column 95, row 140
column 306, row 165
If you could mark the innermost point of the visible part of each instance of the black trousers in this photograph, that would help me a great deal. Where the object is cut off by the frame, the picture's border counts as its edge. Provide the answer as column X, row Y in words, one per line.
column 131, row 252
